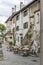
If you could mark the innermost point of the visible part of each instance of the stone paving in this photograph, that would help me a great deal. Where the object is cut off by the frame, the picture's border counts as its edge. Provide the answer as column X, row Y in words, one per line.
column 9, row 58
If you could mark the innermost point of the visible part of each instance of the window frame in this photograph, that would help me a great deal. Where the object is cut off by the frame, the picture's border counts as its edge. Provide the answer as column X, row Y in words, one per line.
column 18, row 38
column 25, row 26
column 17, row 28
column 38, row 18
column 17, row 17
column 25, row 12
column 21, row 39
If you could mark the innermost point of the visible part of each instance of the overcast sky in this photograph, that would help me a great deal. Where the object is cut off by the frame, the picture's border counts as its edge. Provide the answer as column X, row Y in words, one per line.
column 6, row 8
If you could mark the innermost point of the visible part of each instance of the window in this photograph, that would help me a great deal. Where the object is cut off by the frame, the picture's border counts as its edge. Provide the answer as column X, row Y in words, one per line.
column 21, row 39
column 25, row 25
column 38, row 18
column 25, row 12
column 17, row 28
column 17, row 17
column 18, row 39
column 10, row 37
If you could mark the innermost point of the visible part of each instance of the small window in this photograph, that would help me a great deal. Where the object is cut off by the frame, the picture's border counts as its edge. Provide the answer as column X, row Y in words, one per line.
column 38, row 22
column 25, row 25
column 17, row 17
column 25, row 12
column 10, row 37
column 17, row 28
column 38, row 18
column 21, row 39
column 18, row 39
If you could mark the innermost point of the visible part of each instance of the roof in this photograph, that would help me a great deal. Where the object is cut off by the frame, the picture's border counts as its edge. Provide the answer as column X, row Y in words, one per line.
column 10, row 18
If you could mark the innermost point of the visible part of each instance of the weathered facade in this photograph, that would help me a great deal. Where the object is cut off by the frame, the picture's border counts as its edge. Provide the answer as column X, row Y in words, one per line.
column 22, row 19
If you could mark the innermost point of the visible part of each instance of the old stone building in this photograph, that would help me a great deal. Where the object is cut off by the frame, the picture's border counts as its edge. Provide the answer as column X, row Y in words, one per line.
column 21, row 20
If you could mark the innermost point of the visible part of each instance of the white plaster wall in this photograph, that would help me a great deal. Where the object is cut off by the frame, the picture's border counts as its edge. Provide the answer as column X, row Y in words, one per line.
column 19, row 23
column 26, row 19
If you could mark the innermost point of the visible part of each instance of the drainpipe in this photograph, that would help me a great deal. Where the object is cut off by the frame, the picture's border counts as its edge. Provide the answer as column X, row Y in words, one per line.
column 14, row 35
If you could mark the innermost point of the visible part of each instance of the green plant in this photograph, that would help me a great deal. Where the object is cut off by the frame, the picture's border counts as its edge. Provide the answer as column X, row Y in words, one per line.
column 10, row 43
column 2, row 27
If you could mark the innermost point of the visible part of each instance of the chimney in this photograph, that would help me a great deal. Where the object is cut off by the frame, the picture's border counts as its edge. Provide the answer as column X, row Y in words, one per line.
column 14, row 9
column 21, row 5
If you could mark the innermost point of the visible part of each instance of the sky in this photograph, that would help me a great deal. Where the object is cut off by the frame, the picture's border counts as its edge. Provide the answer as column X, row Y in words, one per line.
column 6, row 8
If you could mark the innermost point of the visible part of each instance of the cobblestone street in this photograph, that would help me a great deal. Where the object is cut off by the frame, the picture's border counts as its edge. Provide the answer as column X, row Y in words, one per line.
column 9, row 58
